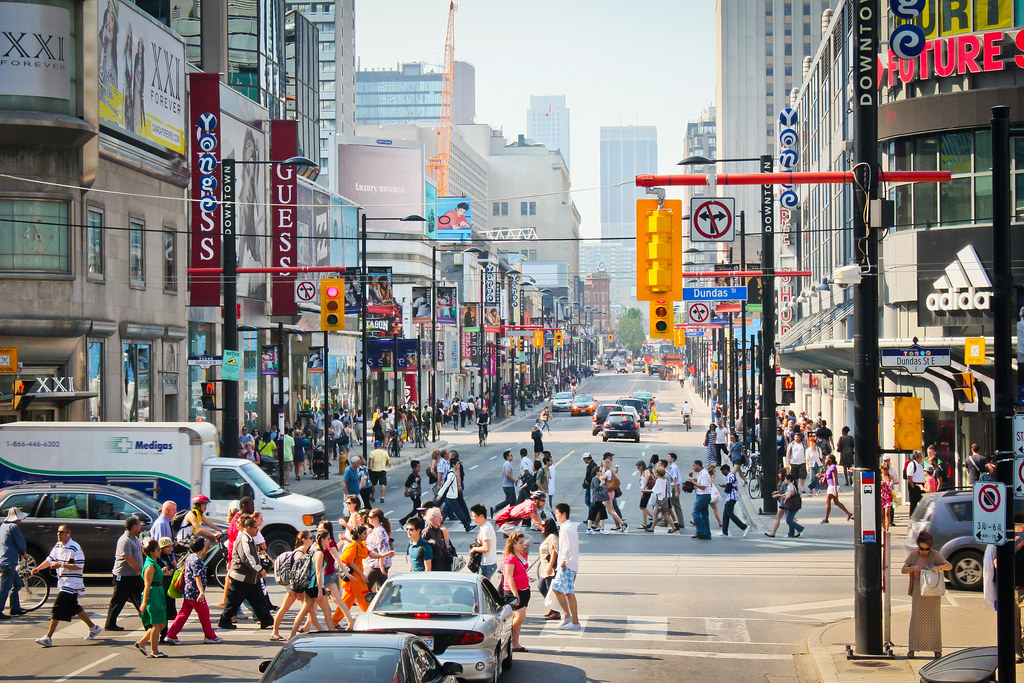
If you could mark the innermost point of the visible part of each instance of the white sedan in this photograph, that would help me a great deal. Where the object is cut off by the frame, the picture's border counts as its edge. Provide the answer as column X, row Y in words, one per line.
column 562, row 401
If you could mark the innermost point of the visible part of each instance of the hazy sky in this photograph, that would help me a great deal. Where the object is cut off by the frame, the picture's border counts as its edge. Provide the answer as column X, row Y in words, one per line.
column 617, row 63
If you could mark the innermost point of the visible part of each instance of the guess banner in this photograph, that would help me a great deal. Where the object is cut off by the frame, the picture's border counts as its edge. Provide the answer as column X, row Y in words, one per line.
column 284, row 250
column 205, row 188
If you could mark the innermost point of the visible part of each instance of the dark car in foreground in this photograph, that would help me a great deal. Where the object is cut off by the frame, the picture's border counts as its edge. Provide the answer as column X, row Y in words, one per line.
column 601, row 414
column 638, row 404
column 357, row 658
column 620, row 426
column 949, row 516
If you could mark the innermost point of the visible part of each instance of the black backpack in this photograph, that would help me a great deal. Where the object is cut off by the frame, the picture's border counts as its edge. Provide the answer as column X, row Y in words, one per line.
column 177, row 521
column 302, row 573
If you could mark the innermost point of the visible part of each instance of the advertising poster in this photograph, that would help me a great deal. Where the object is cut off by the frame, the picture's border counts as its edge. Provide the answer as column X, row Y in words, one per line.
column 33, row 70
column 205, row 155
column 447, row 305
column 439, row 357
column 492, row 319
column 381, row 352
column 380, row 296
column 469, row 315
column 141, row 76
column 1020, row 345
column 268, row 360
column 466, row 350
column 490, row 271
column 315, row 362
column 385, row 179
column 380, row 326
column 454, row 219
column 411, row 396
column 353, row 296
column 430, row 206
column 284, row 144
column 515, row 296
column 420, row 305
column 244, row 140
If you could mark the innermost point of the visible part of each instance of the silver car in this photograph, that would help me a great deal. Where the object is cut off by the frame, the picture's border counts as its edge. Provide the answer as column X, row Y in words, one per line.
column 460, row 616
column 561, row 401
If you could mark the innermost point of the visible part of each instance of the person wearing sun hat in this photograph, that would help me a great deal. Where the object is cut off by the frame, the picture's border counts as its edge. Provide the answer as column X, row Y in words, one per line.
column 12, row 549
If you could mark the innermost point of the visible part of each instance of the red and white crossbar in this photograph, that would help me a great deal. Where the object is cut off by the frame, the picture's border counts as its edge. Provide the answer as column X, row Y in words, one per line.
column 274, row 271
column 788, row 178
column 748, row 273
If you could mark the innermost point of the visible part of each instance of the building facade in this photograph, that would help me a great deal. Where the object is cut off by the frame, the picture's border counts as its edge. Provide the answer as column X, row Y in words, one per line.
column 412, row 94
column 547, row 122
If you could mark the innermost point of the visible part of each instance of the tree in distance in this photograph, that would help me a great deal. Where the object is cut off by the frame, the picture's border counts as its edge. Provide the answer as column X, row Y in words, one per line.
column 631, row 330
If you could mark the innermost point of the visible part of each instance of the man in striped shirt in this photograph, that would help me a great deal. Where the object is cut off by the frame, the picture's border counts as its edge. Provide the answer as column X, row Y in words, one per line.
column 69, row 560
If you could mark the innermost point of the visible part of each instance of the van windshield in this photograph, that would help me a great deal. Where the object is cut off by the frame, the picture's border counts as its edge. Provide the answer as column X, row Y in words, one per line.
column 265, row 484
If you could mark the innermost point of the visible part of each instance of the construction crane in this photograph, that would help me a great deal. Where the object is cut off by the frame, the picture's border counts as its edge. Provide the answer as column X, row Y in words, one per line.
column 438, row 165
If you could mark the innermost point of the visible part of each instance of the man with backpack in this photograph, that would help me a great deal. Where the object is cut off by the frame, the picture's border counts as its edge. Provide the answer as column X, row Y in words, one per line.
column 913, row 474
column 245, row 573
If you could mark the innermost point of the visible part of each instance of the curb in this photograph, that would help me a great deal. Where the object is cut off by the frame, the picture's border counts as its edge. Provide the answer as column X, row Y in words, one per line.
column 827, row 672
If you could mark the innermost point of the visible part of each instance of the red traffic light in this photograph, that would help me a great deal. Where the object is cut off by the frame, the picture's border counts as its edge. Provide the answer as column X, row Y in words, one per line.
column 332, row 291
column 788, row 383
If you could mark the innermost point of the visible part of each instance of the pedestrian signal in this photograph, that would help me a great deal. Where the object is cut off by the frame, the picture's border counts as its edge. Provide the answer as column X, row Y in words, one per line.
column 209, row 395
column 786, row 389
column 965, row 385
column 538, row 339
column 19, row 394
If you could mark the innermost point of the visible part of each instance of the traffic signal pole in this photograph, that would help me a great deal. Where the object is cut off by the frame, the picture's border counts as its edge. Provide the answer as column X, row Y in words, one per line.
column 769, row 456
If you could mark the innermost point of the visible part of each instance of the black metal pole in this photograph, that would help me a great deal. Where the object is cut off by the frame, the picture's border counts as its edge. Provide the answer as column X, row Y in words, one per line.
column 1005, row 383
column 769, row 457
column 433, row 343
column 229, row 422
column 745, row 413
column 397, row 396
column 867, row 557
column 419, row 372
column 280, row 398
column 364, row 276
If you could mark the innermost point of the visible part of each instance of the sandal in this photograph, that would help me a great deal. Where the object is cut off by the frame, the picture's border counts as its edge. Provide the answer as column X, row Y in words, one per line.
column 519, row 649
column 769, row 535
column 277, row 638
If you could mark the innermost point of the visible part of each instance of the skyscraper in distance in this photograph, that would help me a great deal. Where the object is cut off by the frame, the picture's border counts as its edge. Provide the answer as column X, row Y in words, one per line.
column 547, row 122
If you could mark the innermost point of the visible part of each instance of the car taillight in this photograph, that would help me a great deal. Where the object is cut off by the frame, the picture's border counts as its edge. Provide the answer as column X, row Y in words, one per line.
column 466, row 638
column 421, row 615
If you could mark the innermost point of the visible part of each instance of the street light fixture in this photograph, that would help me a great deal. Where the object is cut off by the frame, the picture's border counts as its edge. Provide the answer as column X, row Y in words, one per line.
column 229, row 266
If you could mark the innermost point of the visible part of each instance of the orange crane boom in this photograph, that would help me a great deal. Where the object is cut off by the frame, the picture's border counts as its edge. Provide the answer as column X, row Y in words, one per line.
column 438, row 165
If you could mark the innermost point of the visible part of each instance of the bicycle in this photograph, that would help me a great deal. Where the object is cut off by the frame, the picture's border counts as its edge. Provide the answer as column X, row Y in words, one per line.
column 421, row 437
column 482, row 435
column 395, row 445
column 755, row 476
column 35, row 589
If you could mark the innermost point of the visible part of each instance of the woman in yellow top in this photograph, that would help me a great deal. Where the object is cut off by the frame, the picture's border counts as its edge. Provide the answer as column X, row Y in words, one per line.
column 654, row 417
column 355, row 589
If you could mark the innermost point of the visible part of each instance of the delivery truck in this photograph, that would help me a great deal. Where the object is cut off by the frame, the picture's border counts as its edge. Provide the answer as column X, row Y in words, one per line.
column 166, row 460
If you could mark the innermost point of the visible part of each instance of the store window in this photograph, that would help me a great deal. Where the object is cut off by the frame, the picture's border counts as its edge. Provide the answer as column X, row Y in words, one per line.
column 170, row 260
column 136, row 253
column 94, row 379
column 94, row 244
column 34, row 236
column 136, row 376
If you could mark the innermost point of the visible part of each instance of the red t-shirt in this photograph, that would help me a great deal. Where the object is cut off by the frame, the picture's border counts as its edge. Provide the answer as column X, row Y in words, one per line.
column 519, row 576
column 519, row 512
column 329, row 558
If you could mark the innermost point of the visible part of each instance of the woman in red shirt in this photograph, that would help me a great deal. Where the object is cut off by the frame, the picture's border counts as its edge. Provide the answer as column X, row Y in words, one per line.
column 516, row 584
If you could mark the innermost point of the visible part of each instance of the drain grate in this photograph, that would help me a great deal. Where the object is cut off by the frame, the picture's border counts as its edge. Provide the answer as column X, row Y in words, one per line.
column 871, row 664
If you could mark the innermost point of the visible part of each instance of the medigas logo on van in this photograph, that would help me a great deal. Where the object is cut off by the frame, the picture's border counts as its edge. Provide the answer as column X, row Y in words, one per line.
column 125, row 445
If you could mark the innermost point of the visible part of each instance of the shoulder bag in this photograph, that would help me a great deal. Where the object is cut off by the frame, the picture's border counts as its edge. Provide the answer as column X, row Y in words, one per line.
column 933, row 583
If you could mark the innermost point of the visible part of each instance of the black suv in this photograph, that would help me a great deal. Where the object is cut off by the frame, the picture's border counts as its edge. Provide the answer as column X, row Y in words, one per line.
column 639, row 404
column 601, row 414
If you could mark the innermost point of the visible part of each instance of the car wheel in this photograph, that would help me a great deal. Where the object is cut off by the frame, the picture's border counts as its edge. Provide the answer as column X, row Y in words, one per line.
column 279, row 542
column 637, row 440
column 967, row 571
column 605, row 438
column 507, row 662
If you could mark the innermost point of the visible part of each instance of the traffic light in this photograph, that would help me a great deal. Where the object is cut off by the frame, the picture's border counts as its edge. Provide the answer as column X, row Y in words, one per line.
column 907, row 423
column 332, row 303
column 19, row 393
column 659, row 256
column 610, row 338
column 786, row 385
column 558, row 339
column 661, row 320
column 965, row 385
column 538, row 339
column 680, row 337
column 209, row 395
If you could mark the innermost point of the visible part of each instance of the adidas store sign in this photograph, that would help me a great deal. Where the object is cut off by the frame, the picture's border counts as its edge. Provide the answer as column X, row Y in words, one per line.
column 964, row 285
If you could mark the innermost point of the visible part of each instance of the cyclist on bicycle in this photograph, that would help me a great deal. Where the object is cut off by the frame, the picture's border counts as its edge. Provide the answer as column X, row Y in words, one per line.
column 687, row 413
column 194, row 521
column 483, row 418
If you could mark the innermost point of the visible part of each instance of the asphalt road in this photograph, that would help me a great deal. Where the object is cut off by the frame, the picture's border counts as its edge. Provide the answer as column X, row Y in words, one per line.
column 656, row 607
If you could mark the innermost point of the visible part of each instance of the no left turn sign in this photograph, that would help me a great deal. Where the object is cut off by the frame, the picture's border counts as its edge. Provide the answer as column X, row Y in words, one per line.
column 305, row 292
column 698, row 313
column 712, row 219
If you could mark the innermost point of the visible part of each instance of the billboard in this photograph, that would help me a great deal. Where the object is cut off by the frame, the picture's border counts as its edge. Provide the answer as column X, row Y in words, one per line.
column 205, row 188
column 469, row 315
column 447, row 305
column 380, row 296
column 386, row 180
column 36, row 59
column 421, row 305
column 492, row 319
column 141, row 76
column 430, row 206
column 284, row 144
column 454, row 219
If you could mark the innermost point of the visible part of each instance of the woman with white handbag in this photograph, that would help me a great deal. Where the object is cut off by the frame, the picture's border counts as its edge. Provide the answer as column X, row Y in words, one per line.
column 926, row 568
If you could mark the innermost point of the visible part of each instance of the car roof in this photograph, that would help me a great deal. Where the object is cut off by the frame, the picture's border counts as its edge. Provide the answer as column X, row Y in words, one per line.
column 586, row 397
column 44, row 486
column 608, row 405
column 431, row 577
column 350, row 639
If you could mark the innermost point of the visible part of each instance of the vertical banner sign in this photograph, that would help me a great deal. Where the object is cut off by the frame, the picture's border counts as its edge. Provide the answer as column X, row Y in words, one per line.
column 515, row 294
column 447, row 305
column 490, row 283
column 205, row 189
column 284, row 251
column 411, row 397
column 466, row 353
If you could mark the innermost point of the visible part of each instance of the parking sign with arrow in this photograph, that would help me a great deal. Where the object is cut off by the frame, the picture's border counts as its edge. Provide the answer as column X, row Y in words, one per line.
column 990, row 512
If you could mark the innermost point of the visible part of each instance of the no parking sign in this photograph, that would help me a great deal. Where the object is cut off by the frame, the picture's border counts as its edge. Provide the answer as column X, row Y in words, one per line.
column 990, row 512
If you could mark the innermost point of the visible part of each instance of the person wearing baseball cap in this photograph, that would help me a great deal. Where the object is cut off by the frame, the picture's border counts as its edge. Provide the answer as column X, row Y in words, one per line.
column 12, row 548
column 592, row 467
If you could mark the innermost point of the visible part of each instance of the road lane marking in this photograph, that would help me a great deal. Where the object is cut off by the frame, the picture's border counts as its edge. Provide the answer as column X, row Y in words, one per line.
column 87, row 667
column 474, row 467
column 492, row 457
column 564, row 457
column 646, row 628
column 728, row 630
column 661, row 653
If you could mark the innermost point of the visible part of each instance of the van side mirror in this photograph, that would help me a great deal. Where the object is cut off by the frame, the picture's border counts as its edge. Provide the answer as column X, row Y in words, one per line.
column 264, row 666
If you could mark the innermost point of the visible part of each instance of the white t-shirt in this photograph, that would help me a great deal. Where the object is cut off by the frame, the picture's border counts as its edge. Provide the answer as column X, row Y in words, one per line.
column 551, row 482
column 525, row 465
column 569, row 545
column 704, row 479
column 660, row 490
column 687, row 409
column 797, row 454
column 813, row 455
column 486, row 533
column 722, row 435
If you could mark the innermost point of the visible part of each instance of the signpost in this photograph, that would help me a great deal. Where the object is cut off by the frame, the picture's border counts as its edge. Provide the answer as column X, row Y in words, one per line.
column 714, row 293
column 712, row 219
column 990, row 512
column 231, row 369
column 697, row 312
column 694, row 333
column 867, row 507
column 204, row 362
column 916, row 359
column 306, row 292
column 9, row 360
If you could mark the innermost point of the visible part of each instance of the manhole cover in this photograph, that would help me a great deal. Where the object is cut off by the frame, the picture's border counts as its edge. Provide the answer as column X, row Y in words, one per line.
column 871, row 664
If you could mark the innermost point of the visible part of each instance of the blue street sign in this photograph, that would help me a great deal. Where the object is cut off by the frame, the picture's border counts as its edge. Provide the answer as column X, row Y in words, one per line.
column 694, row 333
column 715, row 293
column 718, row 321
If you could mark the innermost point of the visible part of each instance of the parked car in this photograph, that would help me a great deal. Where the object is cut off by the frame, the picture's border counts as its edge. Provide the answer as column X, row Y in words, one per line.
column 583, row 404
column 601, row 414
column 639, row 405
column 949, row 516
column 654, row 369
column 95, row 513
column 620, row 425
column 561, row 401
column 360, row 656
column 622, row 369
column 460, row 616
column 639, row 366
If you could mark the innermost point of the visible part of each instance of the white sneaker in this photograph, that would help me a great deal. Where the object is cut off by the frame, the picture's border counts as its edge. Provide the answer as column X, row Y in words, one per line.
column 572, row 627
column 604, row 531
column 213, row 641
column 45, row 641
column 591, row 532
column 722, row 533
column 563, row 622
column 746, row 531
column 94, row 631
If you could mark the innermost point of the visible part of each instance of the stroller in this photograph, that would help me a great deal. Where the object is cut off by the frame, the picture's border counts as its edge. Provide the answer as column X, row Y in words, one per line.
column 319, row 463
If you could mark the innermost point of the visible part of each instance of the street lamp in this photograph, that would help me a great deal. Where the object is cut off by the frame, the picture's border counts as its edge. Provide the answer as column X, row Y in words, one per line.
column 229, row 266
column 365, row 276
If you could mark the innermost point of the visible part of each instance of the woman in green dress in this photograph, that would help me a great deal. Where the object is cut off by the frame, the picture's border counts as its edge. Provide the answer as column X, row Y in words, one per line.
column 154, row 606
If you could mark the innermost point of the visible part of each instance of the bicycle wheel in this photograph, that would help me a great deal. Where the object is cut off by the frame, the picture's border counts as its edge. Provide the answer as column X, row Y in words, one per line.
column 754, row 485
column 34, row 593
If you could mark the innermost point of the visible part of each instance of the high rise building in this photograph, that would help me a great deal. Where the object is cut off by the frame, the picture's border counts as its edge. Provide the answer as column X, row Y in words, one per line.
column 700, row 141
column 547, row 122
column 625, row 152
column 411, row 94
column 302, row 62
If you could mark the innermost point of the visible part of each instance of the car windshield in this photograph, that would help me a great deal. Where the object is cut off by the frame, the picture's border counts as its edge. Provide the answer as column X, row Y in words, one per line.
column 564, row 395
column 420, row 595
column 618, row 418
column 322, row 662
column 922, row 510
column 583, row 398
column 262, row 480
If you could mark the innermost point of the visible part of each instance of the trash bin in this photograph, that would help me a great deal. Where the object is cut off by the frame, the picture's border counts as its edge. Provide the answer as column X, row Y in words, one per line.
column 973, row 665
